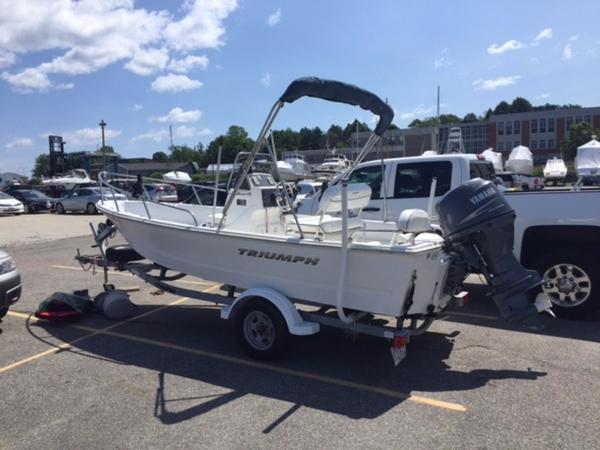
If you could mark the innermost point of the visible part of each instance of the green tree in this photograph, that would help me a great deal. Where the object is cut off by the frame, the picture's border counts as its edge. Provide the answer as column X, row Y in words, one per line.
column 415, row 123
column 520, row 104
column 183, row 153
column 578, row 135
column 286, row 140
column 351, row 128
column 502, row 108
column 310, row 138
column 470, row 117
column 488, row 114
column 235, row 141
column 160, row 156
column 444, row 119
column 41, row 167
column 335, row 136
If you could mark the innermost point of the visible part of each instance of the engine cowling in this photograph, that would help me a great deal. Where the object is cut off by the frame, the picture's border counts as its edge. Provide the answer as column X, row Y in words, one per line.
column 478, row 226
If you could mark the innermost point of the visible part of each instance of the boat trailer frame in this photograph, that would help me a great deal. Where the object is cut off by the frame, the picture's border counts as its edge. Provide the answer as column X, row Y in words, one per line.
column 300, row 322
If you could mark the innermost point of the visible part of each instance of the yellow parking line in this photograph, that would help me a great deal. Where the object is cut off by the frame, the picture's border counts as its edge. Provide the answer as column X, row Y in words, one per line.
column 285, row 371
column 94, row 332
column 473, row 315
column 451, row 406
column 124, row 274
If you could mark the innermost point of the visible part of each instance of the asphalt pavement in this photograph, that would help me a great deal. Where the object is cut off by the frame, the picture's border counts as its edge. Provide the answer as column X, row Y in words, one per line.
column 173, row 376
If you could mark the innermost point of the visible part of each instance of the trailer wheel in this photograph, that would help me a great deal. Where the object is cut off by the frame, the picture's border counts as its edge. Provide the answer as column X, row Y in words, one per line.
column 3, row 312
column 261, row 329
column 571, row 280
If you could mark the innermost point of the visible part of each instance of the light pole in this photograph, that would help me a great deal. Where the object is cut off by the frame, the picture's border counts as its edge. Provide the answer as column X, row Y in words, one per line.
column 102, row 125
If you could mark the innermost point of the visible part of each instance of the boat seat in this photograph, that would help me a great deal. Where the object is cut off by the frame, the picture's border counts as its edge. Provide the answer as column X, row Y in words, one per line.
column 413, row 221
column 325, row 224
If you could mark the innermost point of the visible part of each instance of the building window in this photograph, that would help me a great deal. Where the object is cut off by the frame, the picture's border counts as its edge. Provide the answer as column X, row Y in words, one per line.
column 588, row 119
column 508, row 127
column 569, row 123
column 533, row 145
column 500, row 146
column 534, row 126
column 542, row 125
column 551, row 143
column 500, row 128
column 551, row 125
column 517, row 127
column 578, row 119
column 542, row 144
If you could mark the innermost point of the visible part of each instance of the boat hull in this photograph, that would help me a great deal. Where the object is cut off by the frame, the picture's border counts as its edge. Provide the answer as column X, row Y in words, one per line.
column 377, row 281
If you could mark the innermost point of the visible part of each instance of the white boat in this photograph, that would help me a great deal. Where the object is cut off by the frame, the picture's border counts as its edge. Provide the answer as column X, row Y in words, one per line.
column 332, row 165
column 69, row 180
column 177, row 175
column 555, row 170
column 330, row 259
column 520, row 161
column 287, row 172
column 587, row 161
column 298, row 164
column 494, row 157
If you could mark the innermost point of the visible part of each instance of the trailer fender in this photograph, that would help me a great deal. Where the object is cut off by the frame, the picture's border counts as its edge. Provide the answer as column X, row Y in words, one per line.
column 296, row 324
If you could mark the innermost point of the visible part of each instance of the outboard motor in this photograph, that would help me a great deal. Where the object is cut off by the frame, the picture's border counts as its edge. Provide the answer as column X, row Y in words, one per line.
column 478, row 226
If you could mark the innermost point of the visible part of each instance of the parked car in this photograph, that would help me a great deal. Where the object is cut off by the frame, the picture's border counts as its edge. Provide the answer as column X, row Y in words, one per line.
column 84, row 199
column 10, row 283
column 159, row 192
column 10, row 205
column 33, row 201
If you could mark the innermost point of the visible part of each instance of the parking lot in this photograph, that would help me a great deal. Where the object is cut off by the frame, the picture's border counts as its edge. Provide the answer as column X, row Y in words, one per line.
column 173, row 375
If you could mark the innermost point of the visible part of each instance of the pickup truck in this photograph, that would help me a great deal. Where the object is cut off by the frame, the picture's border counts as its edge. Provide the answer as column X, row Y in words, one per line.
column 557, row 232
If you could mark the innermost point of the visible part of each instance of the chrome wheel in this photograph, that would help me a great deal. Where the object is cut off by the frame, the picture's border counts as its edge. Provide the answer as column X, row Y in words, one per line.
column 259, row 330
column 567, row 285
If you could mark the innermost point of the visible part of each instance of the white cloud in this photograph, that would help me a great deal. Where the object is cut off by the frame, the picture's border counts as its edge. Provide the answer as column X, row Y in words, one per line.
column 546, row 33
column 544, row 95
column 28, row 80
column 266, row 80
column 84, row 136
column 183, row 132
column 153, row 135
column 494, row 49
column 137, row 107
column 20, row 143
column 441, row 62
column 174, row 83
column 205, row 132
column 178, row 115
column 495, row 83
column 567, row 52
column 420, row 110
column 574, row 37
column 64, row 86
column 274, row 18
column 89, row 35
column 202, row 27
column 148, row 61
column 188, row 63
column 6, row 58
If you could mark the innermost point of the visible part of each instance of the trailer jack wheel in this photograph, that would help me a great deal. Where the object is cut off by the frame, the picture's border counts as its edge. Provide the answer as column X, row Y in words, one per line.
column 261, row 329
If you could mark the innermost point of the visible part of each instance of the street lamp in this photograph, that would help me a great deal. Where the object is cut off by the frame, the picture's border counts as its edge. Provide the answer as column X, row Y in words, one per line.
column 102, row 125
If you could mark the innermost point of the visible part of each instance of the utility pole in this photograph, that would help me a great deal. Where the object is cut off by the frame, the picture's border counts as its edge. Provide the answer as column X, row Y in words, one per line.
column 171, row 137
column 102, row 125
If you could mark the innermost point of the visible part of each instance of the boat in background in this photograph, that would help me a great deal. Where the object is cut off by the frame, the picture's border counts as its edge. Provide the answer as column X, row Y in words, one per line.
column 332, row 165
column 69, row 180
column 587, row 162
column 494, row 157
column 520, row 161
column 555, row 171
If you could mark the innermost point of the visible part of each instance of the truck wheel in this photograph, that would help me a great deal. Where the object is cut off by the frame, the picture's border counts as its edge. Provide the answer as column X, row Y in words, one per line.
column 261, row 329
column 91, row 209
column 571, row 280
column 3, row 312
column 60, row 209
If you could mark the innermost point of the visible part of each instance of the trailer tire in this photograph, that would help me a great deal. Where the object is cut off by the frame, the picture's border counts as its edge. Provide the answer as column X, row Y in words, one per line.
column 571, row 280
column 261, row 329
column 3, row 312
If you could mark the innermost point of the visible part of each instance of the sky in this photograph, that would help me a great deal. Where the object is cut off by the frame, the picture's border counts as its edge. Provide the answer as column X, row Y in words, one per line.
column 203, row 65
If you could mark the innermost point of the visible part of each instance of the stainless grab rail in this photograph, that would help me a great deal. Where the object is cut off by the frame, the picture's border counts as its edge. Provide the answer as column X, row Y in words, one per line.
column 104, row 181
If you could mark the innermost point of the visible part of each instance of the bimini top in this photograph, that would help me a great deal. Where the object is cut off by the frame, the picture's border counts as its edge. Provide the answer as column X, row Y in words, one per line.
column 336, row 91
